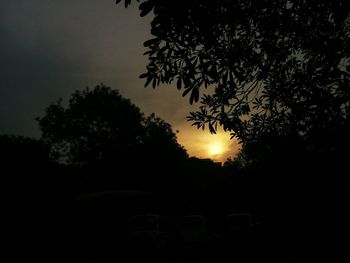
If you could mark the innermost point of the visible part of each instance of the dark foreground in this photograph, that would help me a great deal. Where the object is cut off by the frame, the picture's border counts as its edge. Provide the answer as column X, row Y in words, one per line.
column 127, row 226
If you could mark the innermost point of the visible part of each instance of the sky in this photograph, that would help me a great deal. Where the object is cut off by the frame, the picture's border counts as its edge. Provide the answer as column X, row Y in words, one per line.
column 49, row 49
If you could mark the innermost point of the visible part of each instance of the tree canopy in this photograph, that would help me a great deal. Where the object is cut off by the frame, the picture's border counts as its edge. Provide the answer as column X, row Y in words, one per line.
column 96, row 125
column 160, row 141
column 101, row 126
column 255, row 66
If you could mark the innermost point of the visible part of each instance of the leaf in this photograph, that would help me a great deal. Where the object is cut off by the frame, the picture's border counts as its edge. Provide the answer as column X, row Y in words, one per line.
column 179, row 83
column 127, row 3
column 186, row 92
column 143, row 76
column 148, row 81
column 154, row 83
column 151, row 42
column 145, row 8
column 213, row 72
column 211, row 128
column 194, row 95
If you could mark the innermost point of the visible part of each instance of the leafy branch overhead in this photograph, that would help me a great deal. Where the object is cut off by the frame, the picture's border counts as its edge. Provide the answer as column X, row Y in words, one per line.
column 256, row 65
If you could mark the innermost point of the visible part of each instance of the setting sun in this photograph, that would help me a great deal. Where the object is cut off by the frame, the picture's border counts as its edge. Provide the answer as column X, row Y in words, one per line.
column 215, row 149
column 202, row 144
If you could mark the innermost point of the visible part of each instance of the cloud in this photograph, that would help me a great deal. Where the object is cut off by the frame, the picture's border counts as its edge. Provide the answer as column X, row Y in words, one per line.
column 51, row 48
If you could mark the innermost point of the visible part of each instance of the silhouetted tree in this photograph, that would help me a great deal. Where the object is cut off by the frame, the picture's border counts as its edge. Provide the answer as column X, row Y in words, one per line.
column 267, row 66
column 160, row 141
column 98, row 125
column 272, row 152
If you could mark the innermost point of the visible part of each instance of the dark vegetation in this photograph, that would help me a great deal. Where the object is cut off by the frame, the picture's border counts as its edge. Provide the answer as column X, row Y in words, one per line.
column 105, row 182
column 129, row 191
column 100, row 143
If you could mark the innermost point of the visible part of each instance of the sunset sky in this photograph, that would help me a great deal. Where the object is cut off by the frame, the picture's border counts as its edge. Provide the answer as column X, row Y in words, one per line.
column 51, row 48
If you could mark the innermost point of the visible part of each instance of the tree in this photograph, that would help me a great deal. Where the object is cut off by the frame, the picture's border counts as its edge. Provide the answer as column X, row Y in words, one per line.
column 98, row 125
column 257, row 66
column 160, row 141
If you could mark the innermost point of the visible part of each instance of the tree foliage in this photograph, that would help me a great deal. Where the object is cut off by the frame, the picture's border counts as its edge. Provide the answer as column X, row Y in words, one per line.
column 100, row 126
column 160, row 141
column 256, row 66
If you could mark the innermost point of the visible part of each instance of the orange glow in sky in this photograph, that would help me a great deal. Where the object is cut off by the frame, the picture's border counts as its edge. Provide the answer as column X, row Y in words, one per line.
column 114, row 57
column 215, row 148
column 202, row 144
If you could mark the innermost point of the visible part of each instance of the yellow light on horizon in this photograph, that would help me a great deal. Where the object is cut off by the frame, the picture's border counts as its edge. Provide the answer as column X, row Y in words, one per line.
column 215, row 149
column 203, row 144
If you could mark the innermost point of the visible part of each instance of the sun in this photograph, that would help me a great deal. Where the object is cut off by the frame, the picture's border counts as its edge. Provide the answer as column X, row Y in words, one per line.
column 204, row 145
column 215, row 149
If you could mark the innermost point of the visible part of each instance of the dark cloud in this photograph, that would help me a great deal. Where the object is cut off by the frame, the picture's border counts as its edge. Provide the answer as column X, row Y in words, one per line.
column 50, row 48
